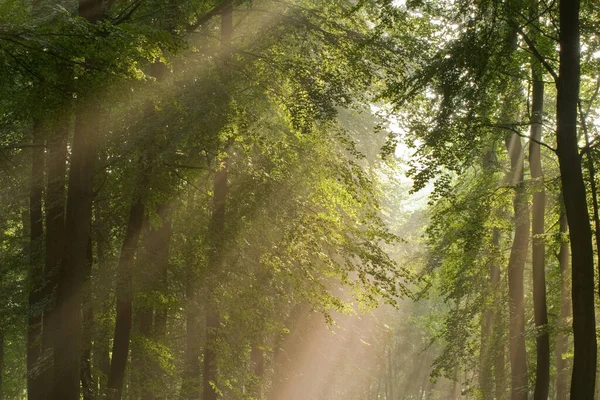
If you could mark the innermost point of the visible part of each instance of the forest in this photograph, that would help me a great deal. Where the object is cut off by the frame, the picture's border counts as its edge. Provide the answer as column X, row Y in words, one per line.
column 299, row 199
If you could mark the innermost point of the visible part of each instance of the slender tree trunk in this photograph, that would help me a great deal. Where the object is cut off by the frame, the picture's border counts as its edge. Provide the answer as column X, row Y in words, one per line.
column 542, row 377
column 142, row 367
column 67, row 342
column 486, row 372
column 562, row 340
column 162, row 259
column 120, row 350
column 498, row 340
column 500, row 362
column 102, row 333
column 191, row 385
column 153, row 266
column 55, row 239
column 584, row 323
column 216, row 233
column 190, row 389
column 454, row 391
column 67, row 346
column 160, row 313
column 87, row 380
column 516, row 266
column 149, row 261
column 487, row 350
column 102, row 359
column 36, row 233
column 593, row 188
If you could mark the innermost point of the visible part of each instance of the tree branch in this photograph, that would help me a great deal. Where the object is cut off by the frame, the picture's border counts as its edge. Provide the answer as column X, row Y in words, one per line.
column 172, row 165
column 206, row 17
column 537, row 54
column 128, row 12
column 516, row 131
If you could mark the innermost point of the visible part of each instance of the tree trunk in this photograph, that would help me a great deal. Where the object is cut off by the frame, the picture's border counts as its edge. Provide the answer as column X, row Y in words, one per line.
column 55, row 239
column 191, row 385
column 500, row 362
column 102, row 332
column 36, row 233
column 67, row 342
column 593, row 188
column 87, row 330
column 454, row 391
column 488, row 328
column 542, row 377
column 516, row 265
column 562, row 340
column 190, row 388
column 498, row 340
column 141, row 364
column 67, row 346
column 124, row 312
column 216, row 238
column 573, row 187
column 216, row 233
column 153, row 258
column 150, row 267
column 161, row 258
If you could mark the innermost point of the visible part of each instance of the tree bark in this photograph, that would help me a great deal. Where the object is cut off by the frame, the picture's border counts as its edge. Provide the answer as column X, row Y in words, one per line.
column 55, row 239
column 500, row 365
column 542, row 377
column 516, row 266
column 454, row 390
column 153, row 258
column 562, row 340
column 151, row 263
column 191, row 385
column 36, row 233
column 87, row 330
column 124, row 312
column 190, row 389
column 102, row 333
column 216, row 238
column 67, row 343
column 573, row 187
column 593, row 189
column 489, row 328
column 161, row 260
column 67, row 346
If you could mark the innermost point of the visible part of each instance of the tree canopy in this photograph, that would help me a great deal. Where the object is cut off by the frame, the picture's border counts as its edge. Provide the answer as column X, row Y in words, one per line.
column 298, row 199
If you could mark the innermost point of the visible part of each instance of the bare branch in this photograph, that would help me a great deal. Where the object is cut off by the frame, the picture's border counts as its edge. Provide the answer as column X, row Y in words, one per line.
column 537, row 54
column 512, row 128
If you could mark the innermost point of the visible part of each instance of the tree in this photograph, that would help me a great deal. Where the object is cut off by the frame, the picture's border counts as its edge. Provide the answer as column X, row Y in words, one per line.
column 542, row 376
column 584, row 362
